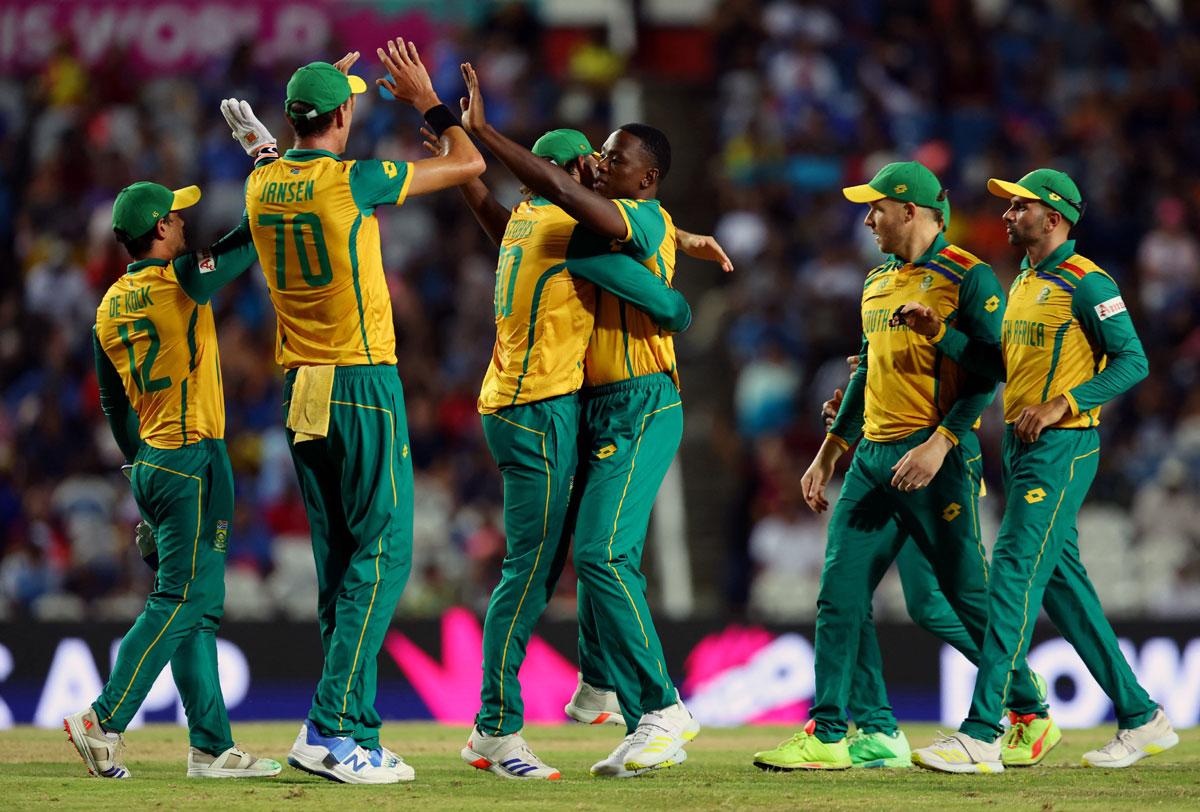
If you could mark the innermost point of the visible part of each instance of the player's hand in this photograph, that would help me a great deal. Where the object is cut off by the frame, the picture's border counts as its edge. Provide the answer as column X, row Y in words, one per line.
column 473, row 118
column 920, row 465
column 407, row 79
column 143, row 537
column 347, row 62
column 1033, row 420
column 248, row 131
column 433, row 145
column 853, row 361
column 829, row 409
column 812, row 484
column 700, row 246
column 918, row 318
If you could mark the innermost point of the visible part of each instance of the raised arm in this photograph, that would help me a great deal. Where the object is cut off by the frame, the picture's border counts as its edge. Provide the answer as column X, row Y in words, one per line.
column 409, row 82
column 489, row 213
column 592, row 210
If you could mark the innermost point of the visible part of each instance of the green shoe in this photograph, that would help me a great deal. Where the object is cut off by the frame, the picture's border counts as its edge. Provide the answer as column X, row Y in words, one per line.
column 805, row 751
column 880, row 750
column 1028, row 740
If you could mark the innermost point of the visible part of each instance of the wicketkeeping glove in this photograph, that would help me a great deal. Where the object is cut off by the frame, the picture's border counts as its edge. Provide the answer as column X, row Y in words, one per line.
column 248, row 131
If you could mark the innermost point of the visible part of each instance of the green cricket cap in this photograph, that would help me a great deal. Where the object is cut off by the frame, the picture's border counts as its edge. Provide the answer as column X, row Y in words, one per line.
column 140, row 206
column 907, row 181
column 322, row 86
column 1049, row 186
column 562, row 146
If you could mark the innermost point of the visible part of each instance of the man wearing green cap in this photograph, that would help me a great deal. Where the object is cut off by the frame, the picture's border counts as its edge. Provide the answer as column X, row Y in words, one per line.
column 312, row 217
column 914, row 478
column 160, row 388
column 1069, row 346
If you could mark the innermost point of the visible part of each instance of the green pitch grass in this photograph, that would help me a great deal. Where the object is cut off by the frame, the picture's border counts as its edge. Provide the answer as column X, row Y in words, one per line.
column 40, row 770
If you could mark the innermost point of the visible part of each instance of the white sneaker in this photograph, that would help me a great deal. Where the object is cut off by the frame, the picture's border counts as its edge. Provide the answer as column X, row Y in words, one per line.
column 103, row 753
column 383, row 757
column 960, row 753
column 1131, row 746
column 338, row 758
column 660, row 735
column 507, row 756
column 592, row 706
column 614, row 765
column 233, row 763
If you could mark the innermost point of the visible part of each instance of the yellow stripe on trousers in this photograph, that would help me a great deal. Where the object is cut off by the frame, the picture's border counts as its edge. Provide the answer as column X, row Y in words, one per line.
column 617, row 519
column 379, row 551
column 1029, row 586
column 186, row 587
column 532, row 572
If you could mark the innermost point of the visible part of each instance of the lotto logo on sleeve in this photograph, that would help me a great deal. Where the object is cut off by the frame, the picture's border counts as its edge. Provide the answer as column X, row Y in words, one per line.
column 1106, row 310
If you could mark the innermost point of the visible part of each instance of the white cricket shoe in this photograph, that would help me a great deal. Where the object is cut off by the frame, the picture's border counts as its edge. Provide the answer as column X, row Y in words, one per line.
column 960, row 753
column 660, row 735
column 233, row 763
column 103, row 753
column 383, row 757
column 614, row 765
column 1129, row 747
column 507, row 756
column 592, row 706
column 338, row 758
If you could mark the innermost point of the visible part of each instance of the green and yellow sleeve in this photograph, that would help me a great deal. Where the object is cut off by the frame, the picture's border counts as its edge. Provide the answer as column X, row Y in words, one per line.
column 122, row 419
column 980, row 316
column 203, row 273
column 628, row 279
column 646, row 226
column 848, row 425
column 379, row 183
column 1098, row 306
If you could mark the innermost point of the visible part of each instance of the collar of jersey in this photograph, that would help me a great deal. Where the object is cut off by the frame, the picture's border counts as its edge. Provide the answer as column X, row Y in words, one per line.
column 134, row 267
column 939, row 242
column 538, row 200
column 308, row 155
column 1053, row 259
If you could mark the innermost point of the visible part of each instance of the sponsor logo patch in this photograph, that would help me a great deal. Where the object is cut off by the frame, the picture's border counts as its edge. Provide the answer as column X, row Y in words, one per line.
column 952, row 511
column 1110, row 308
column 221, row 539
column 206, row 262
column 606, row 452
column 991, row 304
column 900, row 189
column 1035, row 495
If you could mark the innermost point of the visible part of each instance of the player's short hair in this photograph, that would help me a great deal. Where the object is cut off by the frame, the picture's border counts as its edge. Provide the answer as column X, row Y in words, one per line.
column 137, row 247
column 655, row 143
column 306, row 127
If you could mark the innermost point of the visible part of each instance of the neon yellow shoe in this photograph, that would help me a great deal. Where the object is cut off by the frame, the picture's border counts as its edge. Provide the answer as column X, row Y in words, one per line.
column 805, row 751
column 1028, row 740
column 880, row 750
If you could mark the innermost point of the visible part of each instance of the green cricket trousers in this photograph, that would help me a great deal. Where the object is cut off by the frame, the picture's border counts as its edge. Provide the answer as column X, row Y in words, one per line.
column 1036, row 563
column 186, row 494
column 871, row 522
column 534, row 445
column 357, row 486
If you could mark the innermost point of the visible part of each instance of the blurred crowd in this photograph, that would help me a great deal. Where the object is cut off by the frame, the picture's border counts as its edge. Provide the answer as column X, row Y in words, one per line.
column 814, row 96
column 804, row 98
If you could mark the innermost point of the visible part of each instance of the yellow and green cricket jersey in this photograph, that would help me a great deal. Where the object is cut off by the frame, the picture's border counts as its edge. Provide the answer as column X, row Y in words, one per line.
column 543, row 314
column 626, row 343
column 904, row 383
column 163, row 345
column 312, row 216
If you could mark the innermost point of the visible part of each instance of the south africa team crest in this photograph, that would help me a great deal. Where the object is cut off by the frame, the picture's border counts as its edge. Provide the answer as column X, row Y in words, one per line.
column 927, row 282
column 1044, row 295
column 221, row 539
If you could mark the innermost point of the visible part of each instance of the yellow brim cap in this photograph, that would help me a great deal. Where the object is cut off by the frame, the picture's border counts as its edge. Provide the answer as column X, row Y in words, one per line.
column 357, row 85
column 1006, row 188
column 187, row 196
column 863, row 193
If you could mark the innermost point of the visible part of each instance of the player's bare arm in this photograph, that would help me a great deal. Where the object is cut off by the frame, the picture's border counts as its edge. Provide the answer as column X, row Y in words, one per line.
column 491, row 215
column 591, row 209
column 702, row 246
column 408, row 81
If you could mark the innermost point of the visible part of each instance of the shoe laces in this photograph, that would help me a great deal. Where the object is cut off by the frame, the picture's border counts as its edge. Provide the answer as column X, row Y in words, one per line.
column 1122, row 739
column 650, row 724
column 1017, row 733
column 946, row 740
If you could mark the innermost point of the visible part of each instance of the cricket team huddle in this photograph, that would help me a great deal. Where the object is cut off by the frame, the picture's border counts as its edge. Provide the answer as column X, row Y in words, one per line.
column 581, row 409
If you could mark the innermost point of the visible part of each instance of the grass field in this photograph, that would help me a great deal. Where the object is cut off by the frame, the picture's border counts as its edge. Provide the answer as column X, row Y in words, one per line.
column 39, row 769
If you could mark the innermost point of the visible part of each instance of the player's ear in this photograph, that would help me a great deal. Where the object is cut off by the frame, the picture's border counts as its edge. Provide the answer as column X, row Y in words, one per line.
column 650, row 178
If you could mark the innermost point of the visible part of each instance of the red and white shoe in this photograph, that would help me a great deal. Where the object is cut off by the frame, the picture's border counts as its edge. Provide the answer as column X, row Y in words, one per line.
column 506, row 756
column 593, row 706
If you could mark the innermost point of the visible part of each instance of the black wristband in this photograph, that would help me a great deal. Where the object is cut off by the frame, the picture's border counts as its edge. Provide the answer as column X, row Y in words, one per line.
column 440, row 119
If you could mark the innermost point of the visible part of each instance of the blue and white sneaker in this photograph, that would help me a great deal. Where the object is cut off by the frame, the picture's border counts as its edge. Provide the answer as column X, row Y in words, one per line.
column 383, row 757
column 507, row 756
column 337, row 758
column 103, row 753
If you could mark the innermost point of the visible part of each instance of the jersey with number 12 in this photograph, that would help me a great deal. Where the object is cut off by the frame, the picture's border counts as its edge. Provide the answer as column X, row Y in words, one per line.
column 312, row 216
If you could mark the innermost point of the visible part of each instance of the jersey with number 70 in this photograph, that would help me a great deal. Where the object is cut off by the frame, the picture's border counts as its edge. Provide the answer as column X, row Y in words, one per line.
column 312, row 217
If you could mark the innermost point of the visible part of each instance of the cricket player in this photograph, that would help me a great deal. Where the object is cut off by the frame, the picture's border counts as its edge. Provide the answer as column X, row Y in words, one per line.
column 312, row 217
column 160, row 388
column 632, row 421
column 914, row 477
column 529, row 377
column 1069, row 346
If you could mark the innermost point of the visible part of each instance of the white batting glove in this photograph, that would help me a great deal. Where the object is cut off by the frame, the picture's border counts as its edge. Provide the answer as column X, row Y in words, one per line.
column 248, row 131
